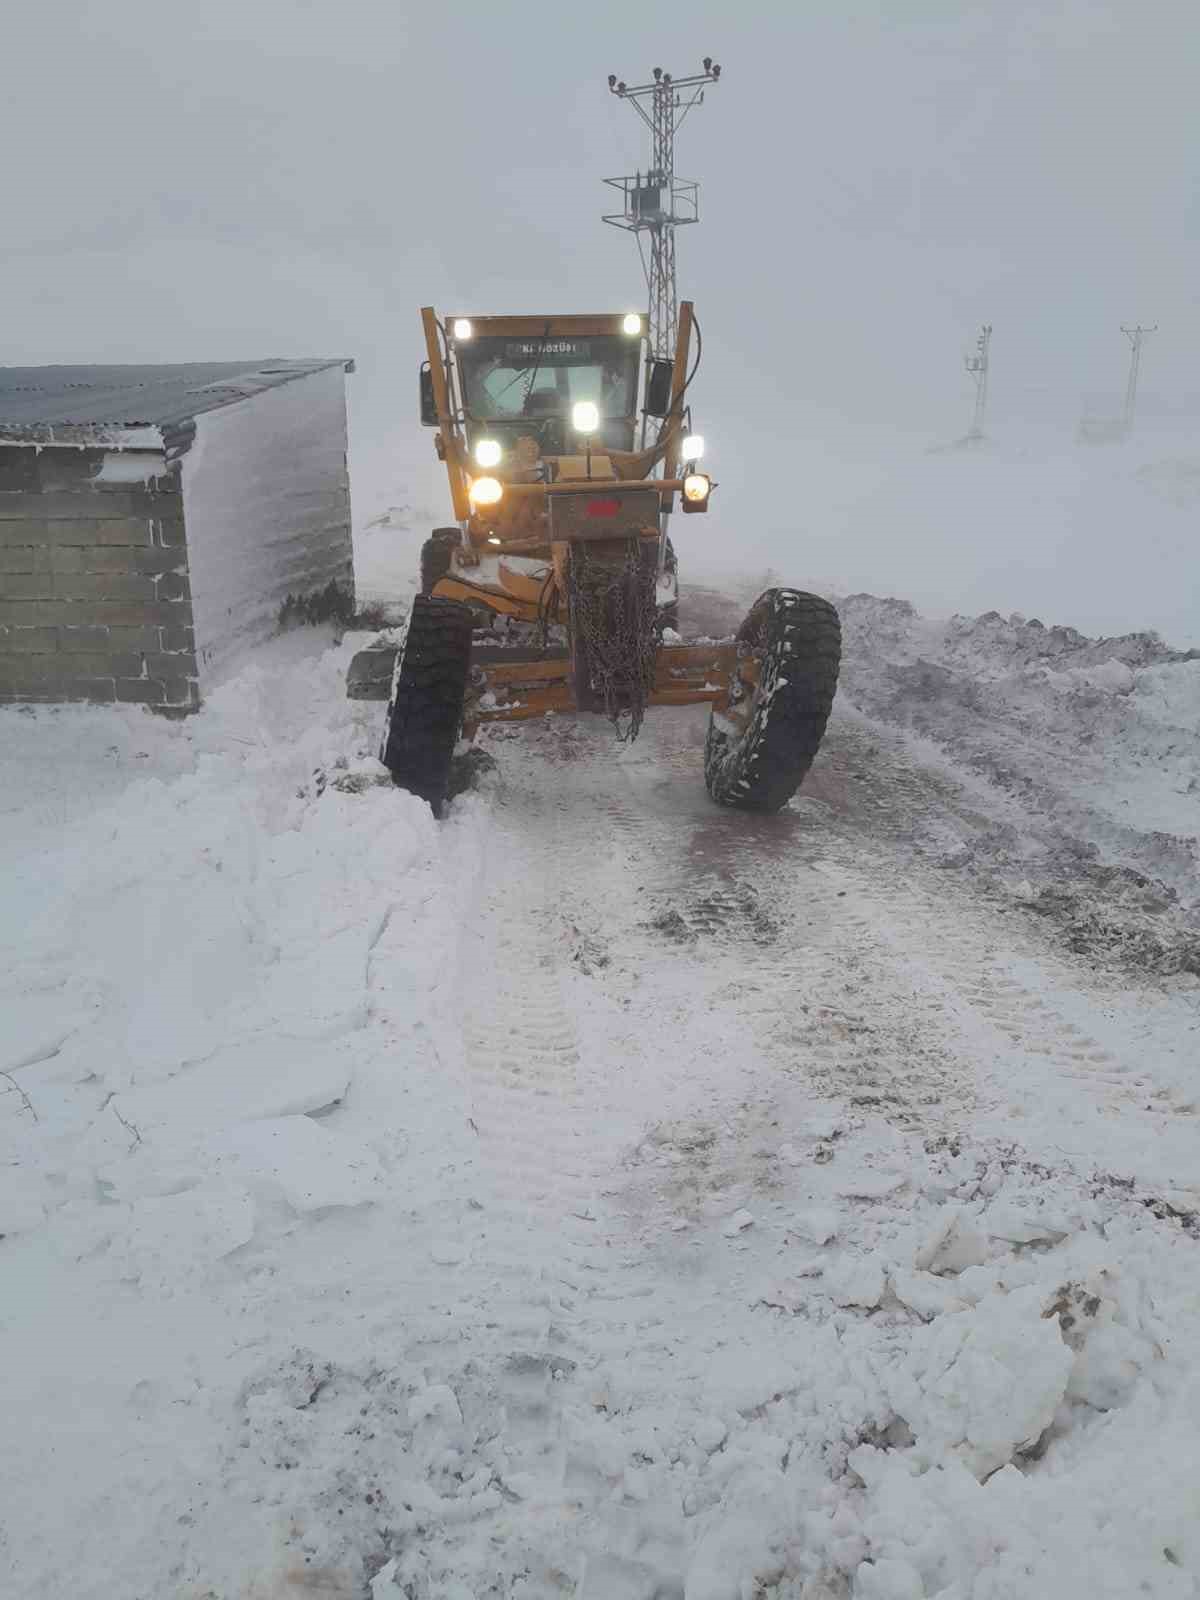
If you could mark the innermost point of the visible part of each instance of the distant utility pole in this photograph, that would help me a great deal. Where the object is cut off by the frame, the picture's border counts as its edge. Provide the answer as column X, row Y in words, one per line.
column 656, row 202
column 1135, row 337
column 977, row 366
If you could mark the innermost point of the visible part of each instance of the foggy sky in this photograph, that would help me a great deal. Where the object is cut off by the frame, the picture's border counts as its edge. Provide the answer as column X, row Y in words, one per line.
column 271, row 177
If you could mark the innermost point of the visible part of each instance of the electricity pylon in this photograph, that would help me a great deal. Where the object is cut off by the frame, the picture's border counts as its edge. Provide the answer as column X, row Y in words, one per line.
column 977, row 366
column 656, row 201
column 1135, row 336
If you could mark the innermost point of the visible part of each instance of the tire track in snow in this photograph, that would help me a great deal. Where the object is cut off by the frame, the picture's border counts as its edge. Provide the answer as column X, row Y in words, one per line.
column 586, row 1262
column 558, row 1297
column 940, row 1005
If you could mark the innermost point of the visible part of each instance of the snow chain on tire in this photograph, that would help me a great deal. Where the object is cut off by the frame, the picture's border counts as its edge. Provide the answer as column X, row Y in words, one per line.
column 425, row 711
column 798, row 640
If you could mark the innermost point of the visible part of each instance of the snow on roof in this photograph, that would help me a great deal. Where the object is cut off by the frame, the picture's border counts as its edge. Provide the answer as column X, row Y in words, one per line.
column 34, row 400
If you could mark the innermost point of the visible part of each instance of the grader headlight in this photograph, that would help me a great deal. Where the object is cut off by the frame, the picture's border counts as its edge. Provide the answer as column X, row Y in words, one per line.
column 485, row 492
column 692, row 447
column 697, row 487
column 632, row 324
column 488, row 452
column 585, row 416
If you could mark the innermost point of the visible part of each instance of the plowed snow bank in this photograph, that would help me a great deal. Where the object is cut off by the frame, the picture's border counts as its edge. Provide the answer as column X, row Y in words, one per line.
column 1097, row 740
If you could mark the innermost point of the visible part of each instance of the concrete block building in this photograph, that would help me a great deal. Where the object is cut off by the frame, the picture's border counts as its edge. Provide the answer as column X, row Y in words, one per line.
column 155, row 522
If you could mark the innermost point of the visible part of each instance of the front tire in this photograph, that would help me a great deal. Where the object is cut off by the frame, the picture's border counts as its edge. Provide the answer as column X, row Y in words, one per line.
column 429, row 686
column 436, row 554
column 797, row 638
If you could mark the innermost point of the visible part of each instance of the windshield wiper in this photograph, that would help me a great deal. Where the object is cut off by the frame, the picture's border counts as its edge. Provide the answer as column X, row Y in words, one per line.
column 533, row 375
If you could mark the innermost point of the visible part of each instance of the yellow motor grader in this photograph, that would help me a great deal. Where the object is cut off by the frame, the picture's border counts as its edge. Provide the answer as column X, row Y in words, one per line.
column 567, row 446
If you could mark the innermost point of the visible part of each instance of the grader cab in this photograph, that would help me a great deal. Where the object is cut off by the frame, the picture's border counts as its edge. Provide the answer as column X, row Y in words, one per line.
column 567, row 447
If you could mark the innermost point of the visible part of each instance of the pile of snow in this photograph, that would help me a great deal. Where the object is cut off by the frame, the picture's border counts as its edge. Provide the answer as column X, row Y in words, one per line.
column 1049, row 1421
column 190, row 915
column 1097, row 740
column 983, row 1383
column 1113, row 713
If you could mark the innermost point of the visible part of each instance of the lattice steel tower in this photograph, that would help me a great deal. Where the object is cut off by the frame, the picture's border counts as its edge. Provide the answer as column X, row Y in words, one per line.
column 1135, row 336
column 656, row 201
column 977, row 366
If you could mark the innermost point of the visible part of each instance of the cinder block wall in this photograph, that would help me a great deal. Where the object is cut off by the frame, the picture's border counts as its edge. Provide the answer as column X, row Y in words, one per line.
column 95, row 602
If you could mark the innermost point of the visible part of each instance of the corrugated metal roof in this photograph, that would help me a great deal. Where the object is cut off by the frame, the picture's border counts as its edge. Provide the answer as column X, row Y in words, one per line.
column 33, row 399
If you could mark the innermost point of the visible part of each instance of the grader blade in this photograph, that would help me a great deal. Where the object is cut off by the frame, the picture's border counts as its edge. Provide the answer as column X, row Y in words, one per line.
column 505, row 687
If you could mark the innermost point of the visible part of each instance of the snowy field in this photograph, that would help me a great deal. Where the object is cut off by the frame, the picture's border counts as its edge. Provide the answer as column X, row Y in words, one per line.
column 601, row 1195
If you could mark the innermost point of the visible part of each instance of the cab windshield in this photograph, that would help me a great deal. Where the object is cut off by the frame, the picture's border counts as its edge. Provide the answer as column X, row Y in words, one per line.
column 507, row 379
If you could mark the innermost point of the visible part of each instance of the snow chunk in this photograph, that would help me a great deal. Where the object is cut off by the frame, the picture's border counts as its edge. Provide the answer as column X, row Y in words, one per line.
column 738, row 1223
column 1016, row 1225
column 740, row 1382
column 733, row 1549
column 383, row 1583
column 710, row 1433
column 262, row 1079
column 855, row 1281
column 1109, row 1366
column 174, row 1236
column 313, row 1167
column 984, row 1383
column 816, row 1224
column 1113, row 676
column 923, row 1293
column 953, row 1246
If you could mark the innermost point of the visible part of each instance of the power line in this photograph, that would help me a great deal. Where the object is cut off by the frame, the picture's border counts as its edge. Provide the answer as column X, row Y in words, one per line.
column 656, row 202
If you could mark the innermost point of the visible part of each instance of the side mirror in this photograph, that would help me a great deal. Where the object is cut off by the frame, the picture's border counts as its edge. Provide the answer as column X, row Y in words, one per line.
column 658, row 388
column 429, row 416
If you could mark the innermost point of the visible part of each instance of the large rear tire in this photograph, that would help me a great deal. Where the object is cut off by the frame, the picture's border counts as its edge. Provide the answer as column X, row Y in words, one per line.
column 435, row 556
column 425, row 711
column 797, row 639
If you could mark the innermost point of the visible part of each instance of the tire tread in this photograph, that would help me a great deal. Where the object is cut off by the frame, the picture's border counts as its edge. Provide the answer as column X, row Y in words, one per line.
column 425, row 711
column 798, row 636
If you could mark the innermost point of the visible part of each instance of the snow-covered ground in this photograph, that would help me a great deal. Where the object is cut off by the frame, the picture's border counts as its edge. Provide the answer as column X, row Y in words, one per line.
column 1101, row 537
column 598, row 1194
